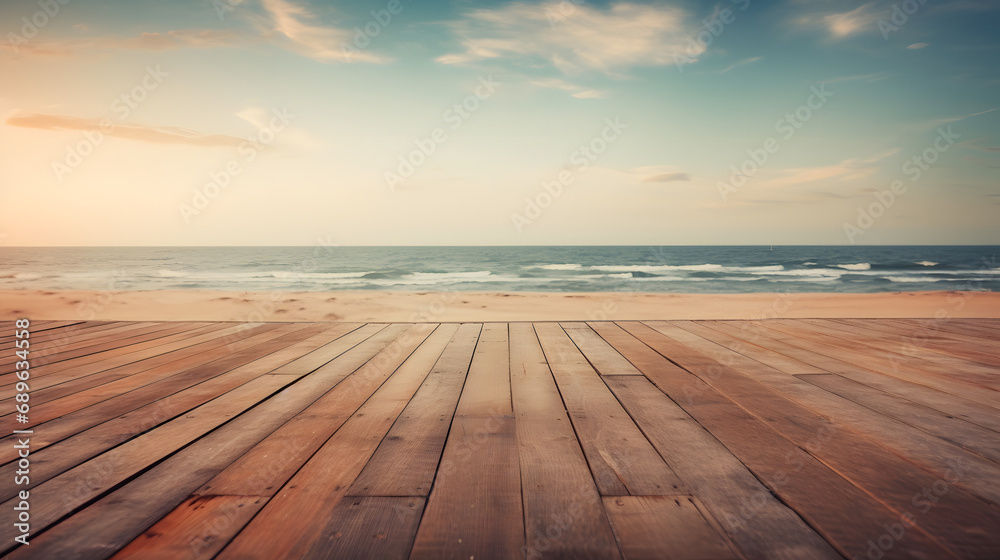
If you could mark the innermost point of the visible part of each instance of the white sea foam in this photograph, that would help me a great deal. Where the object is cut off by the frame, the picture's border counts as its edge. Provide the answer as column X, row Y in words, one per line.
column 653, row 268
column 670, row 279
column 807, row 279
column 859, row 266
column 927, row 263
column 449, row 275
column 568, row 266
column 911, row 279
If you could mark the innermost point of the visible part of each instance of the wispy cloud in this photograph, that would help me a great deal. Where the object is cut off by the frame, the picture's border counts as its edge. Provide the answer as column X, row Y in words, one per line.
column 916, row 46
column 839, row 24
column 144, row 133
column 605, row 40
column 298, row 30
column 666, row 178
column 656, row 174
column 741, row 63
column 848, row 170
column 858, row 78
column 934, row 123
column 283, row 23
column 981, row 145
column 849, row 23
column 153, row 41
column 576, row 91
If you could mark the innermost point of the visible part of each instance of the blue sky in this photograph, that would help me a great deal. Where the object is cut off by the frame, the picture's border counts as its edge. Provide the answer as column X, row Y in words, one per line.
column 280, row 122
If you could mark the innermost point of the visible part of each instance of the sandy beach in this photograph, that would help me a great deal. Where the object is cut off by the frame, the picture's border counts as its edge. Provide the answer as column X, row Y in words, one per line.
column 196, row 305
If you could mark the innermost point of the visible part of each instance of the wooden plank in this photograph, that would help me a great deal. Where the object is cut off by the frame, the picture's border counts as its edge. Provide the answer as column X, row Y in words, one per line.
column 488, row 392
column 59, row 496
column 147, row 397
column 70, row 384
column 408, row 457
column 962, row 521
column 477, row 512
column 42, row 380
column 182, row 335
column 941, row 424
column 272, row 462
column 976, row 413
column 118, row 518
column 91, row 364
column 40, row 325
column 604, row 359
column 202, row 517
column 868, row 361
column 313, row 360
column 842, row 513
column 78, row 344
column 981, row 476
column 760, row 524
column 655, row 527
column 474, row 512
column 620, row 458
column 52, row 460
column 52, row 339
column 370, row 527
column 755, row 350
column 932, row 348
column 977, row 329
column 106, row 340
column 312, row 495
column 942, row 337
column 972, row 411
column 963, row 371
column 210, row 351
column 563, row 513
column 54, row 330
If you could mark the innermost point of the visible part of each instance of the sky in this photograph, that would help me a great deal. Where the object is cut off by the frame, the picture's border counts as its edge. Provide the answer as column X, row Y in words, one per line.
column 412, row 122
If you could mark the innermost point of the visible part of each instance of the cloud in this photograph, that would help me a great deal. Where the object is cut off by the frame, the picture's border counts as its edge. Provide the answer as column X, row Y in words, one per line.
column 849, row 23
column 741, row 63
column 655, row 174
column 299, row 32
column 184, row 38
column 169, row 40
column 576, row 91
column 665, row 178
column 144, row 133
column 860, row 77
column 980, row 144
column 848, row 170
column 575, row 40
column 841, row 25
column 283, row 23
column 934, row 123
column 916, row 46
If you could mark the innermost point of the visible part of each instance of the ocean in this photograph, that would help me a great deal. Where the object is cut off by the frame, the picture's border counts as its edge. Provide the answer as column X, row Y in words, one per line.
column 680, row 269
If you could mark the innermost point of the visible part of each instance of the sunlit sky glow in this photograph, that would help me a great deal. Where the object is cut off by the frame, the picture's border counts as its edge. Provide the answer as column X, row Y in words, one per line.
column 315, row 103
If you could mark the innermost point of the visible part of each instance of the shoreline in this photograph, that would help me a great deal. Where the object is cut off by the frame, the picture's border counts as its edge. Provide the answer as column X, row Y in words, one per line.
column 386, row 306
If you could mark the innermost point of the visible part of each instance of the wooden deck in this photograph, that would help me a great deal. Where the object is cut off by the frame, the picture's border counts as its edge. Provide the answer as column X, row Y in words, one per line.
column 791, row 439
